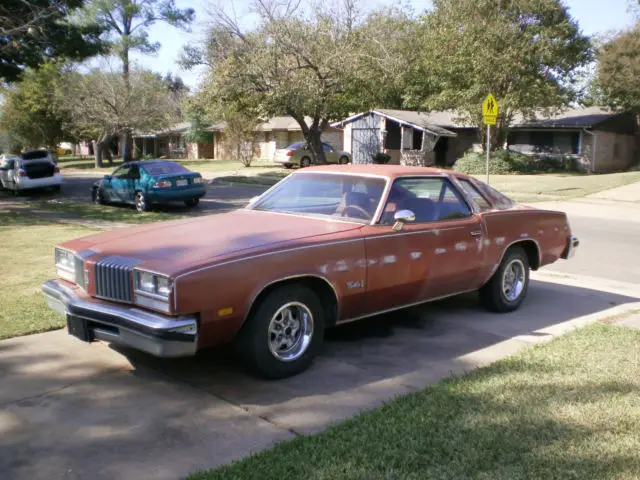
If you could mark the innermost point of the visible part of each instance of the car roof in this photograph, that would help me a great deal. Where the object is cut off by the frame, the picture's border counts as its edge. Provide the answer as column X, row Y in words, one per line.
column 390, row 171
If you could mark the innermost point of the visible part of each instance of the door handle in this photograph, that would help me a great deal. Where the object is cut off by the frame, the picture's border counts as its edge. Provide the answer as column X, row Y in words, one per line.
column 476, row 233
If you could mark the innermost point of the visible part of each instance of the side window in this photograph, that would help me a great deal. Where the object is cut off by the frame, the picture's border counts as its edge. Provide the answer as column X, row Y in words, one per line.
column 327, row 148
column 475, row 194
column 431, row 199
column 10, row 165
column 134, row 172
column 122, row 172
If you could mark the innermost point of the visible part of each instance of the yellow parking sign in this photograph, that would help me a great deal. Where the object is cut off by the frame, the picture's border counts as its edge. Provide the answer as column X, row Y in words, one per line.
column 490, row 110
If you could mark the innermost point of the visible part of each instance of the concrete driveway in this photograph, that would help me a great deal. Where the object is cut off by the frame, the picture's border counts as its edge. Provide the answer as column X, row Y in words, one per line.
column 70, row 410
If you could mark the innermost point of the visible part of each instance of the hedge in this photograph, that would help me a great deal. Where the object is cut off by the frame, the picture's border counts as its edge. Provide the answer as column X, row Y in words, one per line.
column 504, row 162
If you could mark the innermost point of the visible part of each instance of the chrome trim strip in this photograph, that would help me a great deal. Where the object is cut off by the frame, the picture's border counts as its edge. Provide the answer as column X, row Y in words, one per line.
column 293, row 277
column 408, row 305
column 520, row 240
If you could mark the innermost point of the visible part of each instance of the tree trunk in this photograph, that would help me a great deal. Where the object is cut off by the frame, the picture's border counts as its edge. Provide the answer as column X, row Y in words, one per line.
column 315, row 143
column 97, row 151
column 126, row 144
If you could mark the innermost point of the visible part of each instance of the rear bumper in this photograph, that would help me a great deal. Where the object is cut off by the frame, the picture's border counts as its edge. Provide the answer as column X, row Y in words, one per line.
column 153, row 333
column 570, row 250
column 160, row 195
column 26, row 183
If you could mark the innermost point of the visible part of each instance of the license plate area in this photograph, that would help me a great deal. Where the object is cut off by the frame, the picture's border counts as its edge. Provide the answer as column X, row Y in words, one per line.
column 182, row 183
column 79, row 328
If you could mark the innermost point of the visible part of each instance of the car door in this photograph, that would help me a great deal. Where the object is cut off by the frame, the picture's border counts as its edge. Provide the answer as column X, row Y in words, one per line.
column 438, row 254
column 119, row 184
column 330, row 155
column 9, row 173
column 5, row 166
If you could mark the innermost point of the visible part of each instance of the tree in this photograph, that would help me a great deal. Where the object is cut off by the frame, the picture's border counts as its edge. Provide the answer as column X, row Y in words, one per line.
column 102, row 105
column 31, row 113
column 125, row 24
column 619, row 70
column 525, row 52
column 301, row 60
column 34, row 31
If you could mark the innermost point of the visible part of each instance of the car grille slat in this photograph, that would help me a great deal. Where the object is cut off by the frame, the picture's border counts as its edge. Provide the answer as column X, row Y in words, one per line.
column 113, row 277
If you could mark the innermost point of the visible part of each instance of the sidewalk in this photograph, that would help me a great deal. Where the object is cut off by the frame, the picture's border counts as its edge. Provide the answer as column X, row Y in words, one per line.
column 596, row 208
column 626, row 193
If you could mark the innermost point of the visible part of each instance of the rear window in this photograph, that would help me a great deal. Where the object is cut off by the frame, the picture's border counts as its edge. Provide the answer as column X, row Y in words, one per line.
column 36, row 154
column 296, row 146
column 164, row 168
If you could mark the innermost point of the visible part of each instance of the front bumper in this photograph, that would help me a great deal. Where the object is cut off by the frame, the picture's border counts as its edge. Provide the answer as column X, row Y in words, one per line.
column 570, row 250
column 93, row 319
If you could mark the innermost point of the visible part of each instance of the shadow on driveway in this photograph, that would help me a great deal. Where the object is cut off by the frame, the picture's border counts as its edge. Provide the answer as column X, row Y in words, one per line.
column 71, row 410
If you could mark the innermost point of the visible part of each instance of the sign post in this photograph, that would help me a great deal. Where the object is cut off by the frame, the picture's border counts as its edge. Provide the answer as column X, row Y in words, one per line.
column 490, row 114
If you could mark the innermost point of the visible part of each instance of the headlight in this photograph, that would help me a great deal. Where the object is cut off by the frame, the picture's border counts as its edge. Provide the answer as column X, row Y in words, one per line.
column 152, row 283
column 197, row 180
column 65, row 264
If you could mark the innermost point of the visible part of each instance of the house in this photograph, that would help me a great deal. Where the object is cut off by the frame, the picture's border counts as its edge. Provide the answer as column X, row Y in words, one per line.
column 409, row 137
column 596, row 139
column 599, row 140
column 276, row 133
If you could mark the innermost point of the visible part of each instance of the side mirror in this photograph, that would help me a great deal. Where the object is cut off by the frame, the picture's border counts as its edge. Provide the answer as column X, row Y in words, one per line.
column 401, row 217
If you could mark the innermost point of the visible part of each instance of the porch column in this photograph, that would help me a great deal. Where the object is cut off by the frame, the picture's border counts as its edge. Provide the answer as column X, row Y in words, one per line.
column 144, row 146
column 155, row 146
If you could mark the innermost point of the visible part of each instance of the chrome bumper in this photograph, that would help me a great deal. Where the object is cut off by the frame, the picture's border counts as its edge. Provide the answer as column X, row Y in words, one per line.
column 92, row 319
column 572, row 244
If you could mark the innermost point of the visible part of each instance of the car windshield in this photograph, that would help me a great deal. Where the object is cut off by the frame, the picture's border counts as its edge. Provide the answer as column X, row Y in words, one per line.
column 296, row 146
column 164, row 168
column 35, row 154
column 348, row 197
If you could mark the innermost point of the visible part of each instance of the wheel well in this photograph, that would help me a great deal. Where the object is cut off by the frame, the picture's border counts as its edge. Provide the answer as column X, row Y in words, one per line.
column 533, row 252
column 319, row 286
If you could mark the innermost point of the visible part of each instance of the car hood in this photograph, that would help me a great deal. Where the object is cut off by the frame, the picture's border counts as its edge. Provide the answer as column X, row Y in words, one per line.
column 177, row 246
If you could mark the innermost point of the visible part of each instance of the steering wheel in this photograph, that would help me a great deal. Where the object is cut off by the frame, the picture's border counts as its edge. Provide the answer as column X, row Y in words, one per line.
column 359, row 209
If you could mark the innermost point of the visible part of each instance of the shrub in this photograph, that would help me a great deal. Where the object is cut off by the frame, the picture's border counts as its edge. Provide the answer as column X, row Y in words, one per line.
column 503, row 162
column 381, row 158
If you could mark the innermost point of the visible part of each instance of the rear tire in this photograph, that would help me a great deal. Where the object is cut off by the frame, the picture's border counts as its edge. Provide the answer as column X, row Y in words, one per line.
column 283, row 332
column 141, row 202
column 344, row 160
column 507, row 288
column 56, row 188
column 192, row 202
column 305, row 162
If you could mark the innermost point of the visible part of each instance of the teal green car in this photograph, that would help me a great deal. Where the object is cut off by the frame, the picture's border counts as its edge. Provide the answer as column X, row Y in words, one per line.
column 147, row 182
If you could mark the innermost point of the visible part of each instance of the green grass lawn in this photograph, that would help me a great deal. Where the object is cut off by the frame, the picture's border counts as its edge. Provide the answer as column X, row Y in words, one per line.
column 107, row 213
column 27, row 261
column 558, row 186
column 567, row 409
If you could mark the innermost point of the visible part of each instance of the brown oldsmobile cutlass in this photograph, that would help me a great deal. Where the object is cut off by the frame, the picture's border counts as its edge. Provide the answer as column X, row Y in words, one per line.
column 325, row 246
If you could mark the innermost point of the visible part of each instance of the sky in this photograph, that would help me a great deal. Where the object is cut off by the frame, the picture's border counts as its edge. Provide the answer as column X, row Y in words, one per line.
column 594, row 16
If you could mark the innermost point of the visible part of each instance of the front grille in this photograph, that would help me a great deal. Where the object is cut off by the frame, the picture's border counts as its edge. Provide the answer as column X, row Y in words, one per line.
column 113, row 277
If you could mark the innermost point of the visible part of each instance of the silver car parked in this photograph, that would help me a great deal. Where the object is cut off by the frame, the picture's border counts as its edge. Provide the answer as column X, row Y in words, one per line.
column 299, row 154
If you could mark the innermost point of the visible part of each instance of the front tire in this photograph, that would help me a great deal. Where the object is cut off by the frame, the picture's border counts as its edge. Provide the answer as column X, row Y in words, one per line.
column 141, row 202
column 507, row 288
column 283, row 333
column 344, row 160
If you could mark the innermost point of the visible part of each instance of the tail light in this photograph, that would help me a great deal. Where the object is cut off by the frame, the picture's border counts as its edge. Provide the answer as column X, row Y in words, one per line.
column 162, row 184
column 56, row 170
column 197, row 180
column 289, row 153
column 22, row 173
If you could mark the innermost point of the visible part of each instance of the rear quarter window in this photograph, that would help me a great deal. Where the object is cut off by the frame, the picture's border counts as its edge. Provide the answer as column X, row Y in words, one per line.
column 499, row 200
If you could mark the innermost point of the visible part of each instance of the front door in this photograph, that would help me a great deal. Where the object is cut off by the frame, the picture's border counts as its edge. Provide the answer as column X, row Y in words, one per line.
column 439, row 254
column 330, row 154
column 7, row 173
column 120, row 185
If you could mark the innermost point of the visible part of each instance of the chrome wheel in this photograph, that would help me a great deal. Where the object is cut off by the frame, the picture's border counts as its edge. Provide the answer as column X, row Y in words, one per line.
column 513, row 280
column 290, row 331
column 141, row 202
